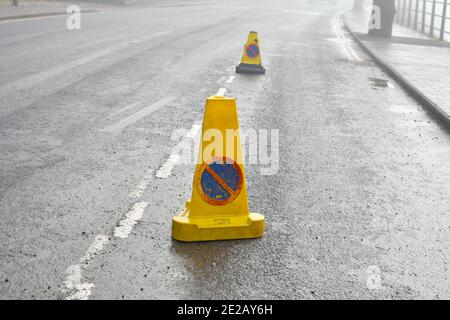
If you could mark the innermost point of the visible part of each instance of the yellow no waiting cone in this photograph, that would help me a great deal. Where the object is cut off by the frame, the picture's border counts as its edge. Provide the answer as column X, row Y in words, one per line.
column 251, row 59
column 218, row 209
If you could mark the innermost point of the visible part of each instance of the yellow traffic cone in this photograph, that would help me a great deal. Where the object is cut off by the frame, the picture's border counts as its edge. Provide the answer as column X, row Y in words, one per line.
column 251, row 59
column 219, row 206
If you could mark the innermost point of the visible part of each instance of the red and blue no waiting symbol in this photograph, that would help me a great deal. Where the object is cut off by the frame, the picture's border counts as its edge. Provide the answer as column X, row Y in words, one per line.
column 252, row 51
column 220, row 181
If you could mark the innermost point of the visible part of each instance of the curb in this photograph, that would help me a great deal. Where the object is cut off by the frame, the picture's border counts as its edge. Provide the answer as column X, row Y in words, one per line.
column 409, row 87
column 39, row 15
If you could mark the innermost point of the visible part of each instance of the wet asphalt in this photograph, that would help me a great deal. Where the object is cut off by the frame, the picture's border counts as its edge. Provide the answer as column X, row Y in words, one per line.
column 361, row 192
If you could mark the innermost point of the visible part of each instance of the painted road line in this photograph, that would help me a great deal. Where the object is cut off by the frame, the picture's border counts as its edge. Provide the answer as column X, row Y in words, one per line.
column 222, row 92
column 343, row 42
column 75, row 289
column 126, row 108
column 142, row 186
column 78, row 290
column 122, row 124
column 222, row 79
column 230, row 79
column 225, row 79
column 133, row 216
column 36, row 78
column 166, row 169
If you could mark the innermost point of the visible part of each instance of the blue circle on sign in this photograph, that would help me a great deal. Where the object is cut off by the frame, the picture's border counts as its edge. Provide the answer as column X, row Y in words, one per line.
column 220, row 182
column 252, row 51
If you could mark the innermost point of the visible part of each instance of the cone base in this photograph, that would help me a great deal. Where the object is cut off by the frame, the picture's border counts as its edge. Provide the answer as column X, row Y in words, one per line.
column 217, row 228
column 250, row 68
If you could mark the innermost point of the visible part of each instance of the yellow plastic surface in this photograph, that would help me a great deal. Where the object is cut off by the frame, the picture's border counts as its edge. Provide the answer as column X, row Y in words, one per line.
column 252, row 41
column 204, row 221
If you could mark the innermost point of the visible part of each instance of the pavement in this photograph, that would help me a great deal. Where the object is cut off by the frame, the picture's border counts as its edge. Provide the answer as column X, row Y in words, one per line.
column 419, row 63
column 356, row 208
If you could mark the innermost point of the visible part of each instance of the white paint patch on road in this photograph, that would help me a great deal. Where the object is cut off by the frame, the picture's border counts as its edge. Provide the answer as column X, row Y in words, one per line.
column 192, row 134
column 73, row 286
column 342, row 41
column 122, row 124
column 133, row 216
column 166, row 169
column 36, row 78
column 95, row 248
column 222, row 79
column 222, row 92
column 225, row 79
column 230, row 79
column 142, row 186
column 78, row 290
column 126, row 108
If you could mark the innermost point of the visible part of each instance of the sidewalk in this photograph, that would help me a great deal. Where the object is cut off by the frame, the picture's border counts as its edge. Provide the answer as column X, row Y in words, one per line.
column 420, row 64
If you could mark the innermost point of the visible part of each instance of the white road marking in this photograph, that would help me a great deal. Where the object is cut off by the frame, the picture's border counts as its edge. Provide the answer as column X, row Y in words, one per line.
column 122, row 124
column 142, row 186
column 39, row 77
column 74, row 287
column 125, row 226
column 192, row 134
column 166, row 169
column 77, row 290
column 125, row 109
column 225, row 79
column 95, row 248
column 343, row 42
column 221, row 92
column 230, row 79
column 222, row 79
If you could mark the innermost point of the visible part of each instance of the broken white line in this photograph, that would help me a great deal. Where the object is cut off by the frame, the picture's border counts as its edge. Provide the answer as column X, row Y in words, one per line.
column 122, row 124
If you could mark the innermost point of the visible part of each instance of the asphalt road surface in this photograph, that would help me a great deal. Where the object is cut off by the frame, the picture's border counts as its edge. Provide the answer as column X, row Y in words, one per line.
column 359, row 207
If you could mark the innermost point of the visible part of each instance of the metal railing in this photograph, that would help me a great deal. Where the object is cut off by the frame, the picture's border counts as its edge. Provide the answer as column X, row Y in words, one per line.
column 431, row 17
